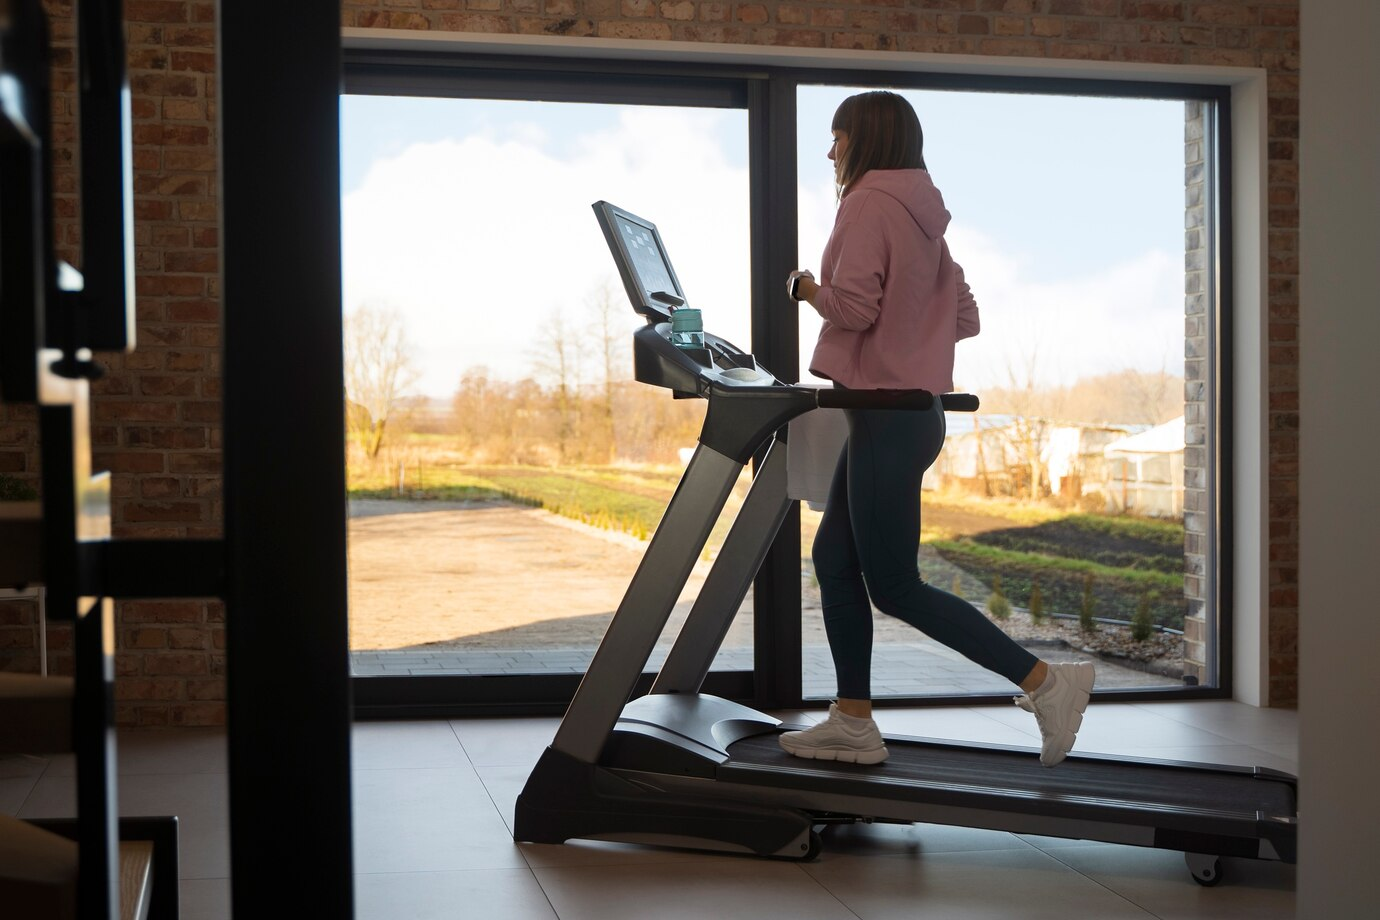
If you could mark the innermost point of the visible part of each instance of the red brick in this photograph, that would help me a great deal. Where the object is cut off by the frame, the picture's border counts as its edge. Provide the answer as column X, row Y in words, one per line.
column 194, row 311
column 649, row 31
column 202, row 715
column 160, row 487
column 1085, row 7
column 127, row 410
column 155, row 11
column 205, row 262
column 377, row 19
column 1154, row 9
column 186, row 361
column 753, row 14
column 1223, row 14
column 166, row 438
column 165, row 689
column 205, row 690
column 146, row 59
column 162, row 512
column 161, row 611
column 147, row 637
column 175, row 664
column 190, row 37
column 973, row 25
column 198, row 61
column 475, row 22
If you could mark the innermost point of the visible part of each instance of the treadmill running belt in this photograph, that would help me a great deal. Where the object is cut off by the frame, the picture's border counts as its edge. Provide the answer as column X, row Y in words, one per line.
column 988, row 770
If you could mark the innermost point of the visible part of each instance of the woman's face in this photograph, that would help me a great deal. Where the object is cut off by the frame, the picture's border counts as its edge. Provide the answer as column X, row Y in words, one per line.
column 836, row 150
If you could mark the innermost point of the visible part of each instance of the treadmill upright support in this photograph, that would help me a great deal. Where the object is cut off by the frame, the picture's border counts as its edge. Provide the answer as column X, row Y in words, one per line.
column 728, row 581
column 666, row 566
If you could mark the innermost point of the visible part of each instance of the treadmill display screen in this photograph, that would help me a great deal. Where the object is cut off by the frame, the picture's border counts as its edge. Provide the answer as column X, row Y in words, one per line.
column 647, row 273
column 648, row 260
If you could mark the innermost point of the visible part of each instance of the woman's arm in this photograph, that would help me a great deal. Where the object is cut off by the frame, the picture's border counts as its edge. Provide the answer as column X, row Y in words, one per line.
column 852, row 298
column 968, row 324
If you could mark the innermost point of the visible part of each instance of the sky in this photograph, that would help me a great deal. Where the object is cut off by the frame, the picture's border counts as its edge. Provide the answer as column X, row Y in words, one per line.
column 472, row 220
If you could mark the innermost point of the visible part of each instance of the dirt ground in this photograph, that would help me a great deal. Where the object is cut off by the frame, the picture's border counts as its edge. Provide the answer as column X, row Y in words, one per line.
column 483, row 575
column 495, row 575
column 491, row 575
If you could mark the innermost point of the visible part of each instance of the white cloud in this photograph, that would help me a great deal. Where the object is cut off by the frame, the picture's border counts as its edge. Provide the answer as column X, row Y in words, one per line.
column 1128, row 314
column 477, row 240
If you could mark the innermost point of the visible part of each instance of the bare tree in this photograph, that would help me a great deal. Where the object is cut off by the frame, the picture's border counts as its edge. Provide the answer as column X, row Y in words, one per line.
column 557, row 363
column 1031, row 409
column 379, row 371
column 604, row 306
column 1155, row 395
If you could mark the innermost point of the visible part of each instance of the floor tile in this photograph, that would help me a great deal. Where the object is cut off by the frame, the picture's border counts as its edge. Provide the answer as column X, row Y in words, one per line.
column 724, row 889
column 192, row 750
column 204, row 899
column 1159, row 881
column 493, row 894
column 428, row 820
column 18, row 776
column 503, row 784
column 975, row 885
column 499, row 742
column 1287, row 753
column 1048, row 843
column 199, row 800
column 1235, row 721
column 404, row 745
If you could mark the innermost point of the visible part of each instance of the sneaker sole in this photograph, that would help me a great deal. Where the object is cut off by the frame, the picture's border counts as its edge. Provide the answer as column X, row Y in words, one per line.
column 866, row 758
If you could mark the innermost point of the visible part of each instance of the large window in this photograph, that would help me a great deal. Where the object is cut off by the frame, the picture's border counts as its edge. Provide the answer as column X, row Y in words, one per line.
column 506, row 470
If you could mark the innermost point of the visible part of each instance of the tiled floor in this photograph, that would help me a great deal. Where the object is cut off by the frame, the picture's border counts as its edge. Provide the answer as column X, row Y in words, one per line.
column 434, row 804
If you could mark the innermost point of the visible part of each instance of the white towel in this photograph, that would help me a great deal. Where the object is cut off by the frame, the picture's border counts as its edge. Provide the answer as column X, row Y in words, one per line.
column 814, row 443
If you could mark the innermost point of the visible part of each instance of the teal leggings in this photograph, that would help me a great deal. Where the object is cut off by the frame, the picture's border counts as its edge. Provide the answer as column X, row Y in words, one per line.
column 867, row 548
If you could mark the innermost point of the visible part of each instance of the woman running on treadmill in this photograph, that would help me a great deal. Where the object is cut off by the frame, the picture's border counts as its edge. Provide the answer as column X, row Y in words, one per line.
column 894, row 303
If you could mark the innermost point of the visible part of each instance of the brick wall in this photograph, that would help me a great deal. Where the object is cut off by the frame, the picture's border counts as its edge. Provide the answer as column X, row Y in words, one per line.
column 157, row 411
column 156, row 416
column 1197, row 282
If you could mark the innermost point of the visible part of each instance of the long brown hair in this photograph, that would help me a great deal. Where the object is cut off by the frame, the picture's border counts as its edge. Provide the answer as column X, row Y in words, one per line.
column 883, row 133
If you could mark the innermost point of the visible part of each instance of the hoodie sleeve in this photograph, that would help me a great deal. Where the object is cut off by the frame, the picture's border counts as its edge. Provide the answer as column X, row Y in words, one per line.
column 968, row 324
column 851, row 297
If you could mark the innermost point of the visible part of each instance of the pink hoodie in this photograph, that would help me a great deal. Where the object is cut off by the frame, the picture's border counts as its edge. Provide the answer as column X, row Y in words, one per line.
column 894, row 301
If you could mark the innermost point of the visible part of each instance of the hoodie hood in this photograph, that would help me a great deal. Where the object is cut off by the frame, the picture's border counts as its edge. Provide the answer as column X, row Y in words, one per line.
column 915, row 190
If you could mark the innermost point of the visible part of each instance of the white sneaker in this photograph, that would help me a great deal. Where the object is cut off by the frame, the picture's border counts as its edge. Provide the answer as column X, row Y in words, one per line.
column 839, row 737
column 1059, row 709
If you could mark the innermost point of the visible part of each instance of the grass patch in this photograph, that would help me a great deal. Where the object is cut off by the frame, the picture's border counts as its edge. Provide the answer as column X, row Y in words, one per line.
column 604, row 506
column 1117, row 592
column 1116, row 542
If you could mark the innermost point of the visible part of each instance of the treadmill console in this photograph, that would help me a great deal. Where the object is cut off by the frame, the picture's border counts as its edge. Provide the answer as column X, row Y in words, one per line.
column 655, row 293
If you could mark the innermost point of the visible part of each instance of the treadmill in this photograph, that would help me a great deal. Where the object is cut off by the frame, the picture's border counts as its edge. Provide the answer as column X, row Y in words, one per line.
column 681, row 768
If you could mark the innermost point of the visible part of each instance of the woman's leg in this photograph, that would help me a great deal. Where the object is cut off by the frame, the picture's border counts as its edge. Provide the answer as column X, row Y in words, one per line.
column 887, row 454
column 843, row 596
column 848, row 734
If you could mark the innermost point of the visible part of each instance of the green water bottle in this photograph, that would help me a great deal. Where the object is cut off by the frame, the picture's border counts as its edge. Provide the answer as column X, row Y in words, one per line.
column 687, row 328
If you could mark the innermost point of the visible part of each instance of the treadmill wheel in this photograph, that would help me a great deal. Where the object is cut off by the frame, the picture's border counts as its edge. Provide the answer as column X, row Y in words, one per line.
column 1206, row 870
column 816, row 847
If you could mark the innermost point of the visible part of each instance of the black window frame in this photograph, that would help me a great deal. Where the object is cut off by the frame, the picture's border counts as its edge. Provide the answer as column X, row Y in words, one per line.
column 768, row 93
